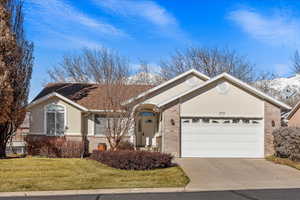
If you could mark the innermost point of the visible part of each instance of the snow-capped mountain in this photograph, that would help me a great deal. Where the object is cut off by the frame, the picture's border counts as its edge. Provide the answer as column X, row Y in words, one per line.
column 286, row 87
column 145, row 78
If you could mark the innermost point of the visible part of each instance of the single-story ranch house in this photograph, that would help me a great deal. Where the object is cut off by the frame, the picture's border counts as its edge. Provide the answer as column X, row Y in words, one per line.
column 190, row 115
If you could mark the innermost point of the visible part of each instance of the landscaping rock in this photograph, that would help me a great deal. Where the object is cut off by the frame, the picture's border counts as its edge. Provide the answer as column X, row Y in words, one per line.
column 287, row 143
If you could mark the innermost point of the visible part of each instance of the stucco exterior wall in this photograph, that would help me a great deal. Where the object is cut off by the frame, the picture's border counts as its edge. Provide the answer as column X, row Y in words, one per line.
column 215, row 102
column 174, row 89
column 272, row 122
column 72, row 114
column 294, row 121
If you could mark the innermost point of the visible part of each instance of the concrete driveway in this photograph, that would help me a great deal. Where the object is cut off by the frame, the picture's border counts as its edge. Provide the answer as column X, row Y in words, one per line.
column 237, row 174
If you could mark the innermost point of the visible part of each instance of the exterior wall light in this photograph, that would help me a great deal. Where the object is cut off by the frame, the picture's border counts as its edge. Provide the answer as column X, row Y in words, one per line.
column 172, row 122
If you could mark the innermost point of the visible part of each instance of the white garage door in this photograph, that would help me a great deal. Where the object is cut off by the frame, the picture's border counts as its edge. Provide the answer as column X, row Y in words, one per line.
column 207, row 137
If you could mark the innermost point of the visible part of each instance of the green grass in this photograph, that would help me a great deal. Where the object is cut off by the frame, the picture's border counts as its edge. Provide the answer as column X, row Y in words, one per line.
column 40, row 174
column 284, row 161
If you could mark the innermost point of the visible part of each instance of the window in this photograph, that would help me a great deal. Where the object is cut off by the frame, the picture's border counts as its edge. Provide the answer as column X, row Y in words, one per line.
column 215, row 121
column 235, row 121
column 255, row 122
column 195, row 120
column 226, row 122
column 246, row 121
column 186, row 121
column 55, row 120
column 148, row 121
column 100, row 124
column 205, row 120
column 147, row 114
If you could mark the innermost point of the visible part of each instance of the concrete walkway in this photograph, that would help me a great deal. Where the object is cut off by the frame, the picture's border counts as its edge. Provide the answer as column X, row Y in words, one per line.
column 207, row 174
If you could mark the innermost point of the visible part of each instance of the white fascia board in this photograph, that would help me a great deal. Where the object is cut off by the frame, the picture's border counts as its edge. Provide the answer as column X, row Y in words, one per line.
column 295, row 108
column 55, row 94
column 106, row 111
column 191, row 71
column 236, row 81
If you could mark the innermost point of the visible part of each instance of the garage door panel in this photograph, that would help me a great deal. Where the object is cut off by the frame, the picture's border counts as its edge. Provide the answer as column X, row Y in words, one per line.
column 222, row 140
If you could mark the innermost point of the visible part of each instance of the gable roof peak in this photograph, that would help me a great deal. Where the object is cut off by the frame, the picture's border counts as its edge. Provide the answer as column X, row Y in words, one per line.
column 237, row 81
column 190, row 71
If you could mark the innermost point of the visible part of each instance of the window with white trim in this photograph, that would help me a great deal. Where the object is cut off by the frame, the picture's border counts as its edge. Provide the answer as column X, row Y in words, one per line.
column 205, row 120
column 100, row 124
column 235, row 121
column 195, row 120
column 55, row 120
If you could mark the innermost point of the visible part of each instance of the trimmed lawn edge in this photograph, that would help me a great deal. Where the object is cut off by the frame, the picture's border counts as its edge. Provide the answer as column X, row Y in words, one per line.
column 284, row 161
column 52, row 174
column 188, row 180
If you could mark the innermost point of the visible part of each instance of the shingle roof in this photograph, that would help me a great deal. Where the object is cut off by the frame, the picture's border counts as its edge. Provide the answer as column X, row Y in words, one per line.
column 90, row 96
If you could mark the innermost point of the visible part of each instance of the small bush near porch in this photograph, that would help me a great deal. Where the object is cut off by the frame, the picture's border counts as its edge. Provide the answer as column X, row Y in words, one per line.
column 37, row 174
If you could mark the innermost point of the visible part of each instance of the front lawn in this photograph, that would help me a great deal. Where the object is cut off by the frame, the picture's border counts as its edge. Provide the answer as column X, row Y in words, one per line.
column 33, row 174
column 284, row 161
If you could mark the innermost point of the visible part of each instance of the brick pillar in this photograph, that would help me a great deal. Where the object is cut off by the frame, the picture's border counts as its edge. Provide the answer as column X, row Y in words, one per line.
column 272, row 117
column 171, row 130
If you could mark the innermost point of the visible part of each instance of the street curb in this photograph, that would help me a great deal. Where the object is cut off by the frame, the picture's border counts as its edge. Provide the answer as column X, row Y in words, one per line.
column 90, row 192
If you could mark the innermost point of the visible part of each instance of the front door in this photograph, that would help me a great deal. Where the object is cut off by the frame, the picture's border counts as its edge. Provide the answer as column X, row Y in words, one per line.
column 146, row 127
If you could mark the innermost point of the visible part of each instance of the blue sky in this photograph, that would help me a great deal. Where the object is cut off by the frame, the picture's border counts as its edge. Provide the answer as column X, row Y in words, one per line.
column 267, row 32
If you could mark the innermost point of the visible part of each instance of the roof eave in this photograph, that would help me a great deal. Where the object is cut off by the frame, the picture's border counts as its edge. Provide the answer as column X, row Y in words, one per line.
column 237, row 81
column 295, row 108
column 191, row 71
column 55, row 94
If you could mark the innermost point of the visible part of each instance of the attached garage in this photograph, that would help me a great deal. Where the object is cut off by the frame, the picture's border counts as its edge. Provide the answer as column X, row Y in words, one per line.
column 222, row 137
column 222, row 118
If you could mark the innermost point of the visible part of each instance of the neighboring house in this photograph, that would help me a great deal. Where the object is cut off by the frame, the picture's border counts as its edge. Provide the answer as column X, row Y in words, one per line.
column 17, row 143
column 294, row 116
column 190, row 115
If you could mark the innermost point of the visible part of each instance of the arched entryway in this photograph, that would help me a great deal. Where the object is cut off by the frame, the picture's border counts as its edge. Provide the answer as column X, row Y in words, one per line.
column 147, row 125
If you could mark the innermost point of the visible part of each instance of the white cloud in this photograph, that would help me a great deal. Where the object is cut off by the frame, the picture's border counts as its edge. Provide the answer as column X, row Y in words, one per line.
column 55, row 12
column 61, row 41
column 148, row 10
column 275, row 30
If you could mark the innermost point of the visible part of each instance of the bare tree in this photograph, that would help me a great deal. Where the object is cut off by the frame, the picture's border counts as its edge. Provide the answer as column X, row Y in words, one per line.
column 145, row 74
column 210, row 61
column 111, row 72
column 263, row 82
column 16, row 61
column 96, row 66
column 120, row 117
column 296, row 63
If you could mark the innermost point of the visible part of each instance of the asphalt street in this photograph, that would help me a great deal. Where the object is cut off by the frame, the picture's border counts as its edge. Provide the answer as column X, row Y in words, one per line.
column 267, row 194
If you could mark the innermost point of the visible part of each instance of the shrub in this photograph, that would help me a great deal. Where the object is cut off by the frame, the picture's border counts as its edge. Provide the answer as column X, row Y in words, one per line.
column 133, row 160
column 126, row 145
column 54, row 147
column 287, row 143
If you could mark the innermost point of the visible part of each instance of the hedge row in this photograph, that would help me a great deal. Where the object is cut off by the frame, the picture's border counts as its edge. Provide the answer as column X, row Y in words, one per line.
column 54, row 147
column 133, row 160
